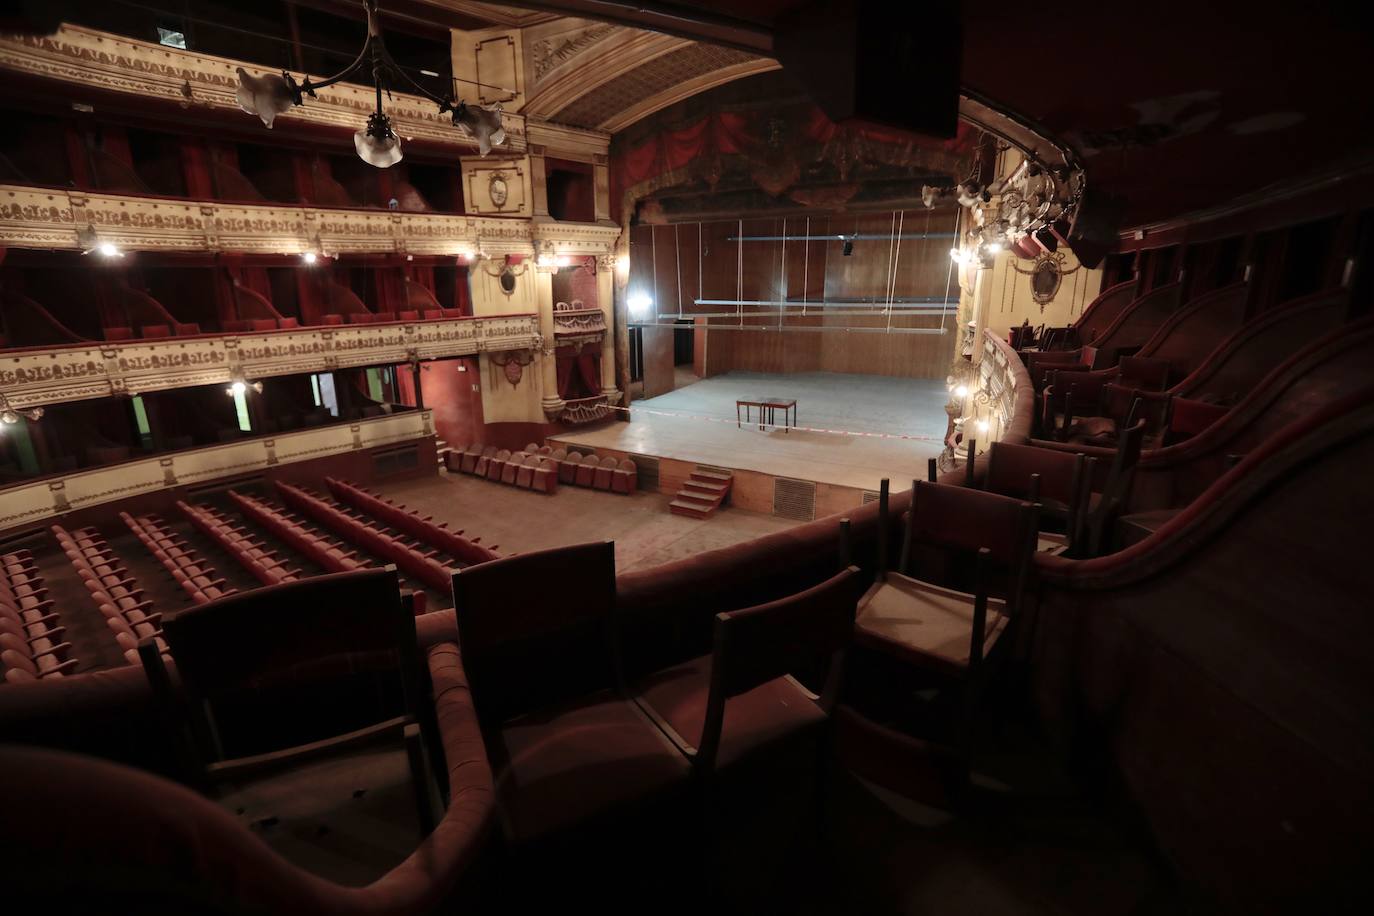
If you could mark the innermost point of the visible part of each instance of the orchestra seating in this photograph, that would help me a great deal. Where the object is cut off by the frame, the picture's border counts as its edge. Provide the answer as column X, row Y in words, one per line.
column 303, row 539
column 530, row 469
column 436, row 534
column 128, row 614
column 249, row 551
column 369, row 536
column 31, row 645
column 187, row 567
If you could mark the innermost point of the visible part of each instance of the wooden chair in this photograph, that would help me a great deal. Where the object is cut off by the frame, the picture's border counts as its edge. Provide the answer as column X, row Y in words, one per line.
column 1103, row 507
column 568, row 746
column 959, row 582
column 1056, row 482
column 247, row 657
column 743, row 698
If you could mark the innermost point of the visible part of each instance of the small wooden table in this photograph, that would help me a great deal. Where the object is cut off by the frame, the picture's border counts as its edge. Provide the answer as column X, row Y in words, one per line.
column 767, row 408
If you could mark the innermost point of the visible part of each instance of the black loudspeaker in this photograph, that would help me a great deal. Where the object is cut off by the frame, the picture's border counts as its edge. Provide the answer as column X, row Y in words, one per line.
column 1093, row 232
column 892, row 64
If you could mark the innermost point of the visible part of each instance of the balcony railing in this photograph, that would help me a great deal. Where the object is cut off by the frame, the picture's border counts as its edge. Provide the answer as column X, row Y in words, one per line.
column 99, row 60
column 38, row 500
column 579, row 323
column 51, row 375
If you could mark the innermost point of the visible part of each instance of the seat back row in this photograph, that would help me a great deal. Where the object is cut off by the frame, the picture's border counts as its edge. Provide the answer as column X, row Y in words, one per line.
column 608, row 473
column 531, row 469
column 31, row 645
column 301, row 538
column 421, row 565
column 436, row 534
column 251, row 553
column 128, row 614
column 196, row 577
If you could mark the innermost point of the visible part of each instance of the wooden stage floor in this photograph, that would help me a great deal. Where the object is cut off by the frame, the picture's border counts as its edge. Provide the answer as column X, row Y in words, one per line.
column 697, row 424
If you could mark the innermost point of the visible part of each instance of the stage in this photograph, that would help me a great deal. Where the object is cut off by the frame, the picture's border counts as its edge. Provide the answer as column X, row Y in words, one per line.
column 696, row 425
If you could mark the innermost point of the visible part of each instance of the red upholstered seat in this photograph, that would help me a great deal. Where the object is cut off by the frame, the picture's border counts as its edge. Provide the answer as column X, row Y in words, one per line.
column 187, row 328
column 545, row 477
column 263, row 324
column 285, row 323
column 235, row 325
column 119, row 333
column 626, row 477
column 471, row 454
column 432, row 314
column 155, row 331
column 510, row 469
column 605, row 472
column 567, row 467
column 497, row 464
column 331, row 319
column 590, row 758
column 586, row 471
column 408, row 315
column 524, row 475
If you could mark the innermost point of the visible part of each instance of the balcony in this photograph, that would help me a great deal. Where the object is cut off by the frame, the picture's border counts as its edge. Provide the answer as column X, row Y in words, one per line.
column 101, row 61
column 50, row 375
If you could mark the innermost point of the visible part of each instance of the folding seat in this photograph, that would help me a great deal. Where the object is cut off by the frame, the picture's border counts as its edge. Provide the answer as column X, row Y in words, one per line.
column 407, row 315
column 545, row 477
column 511, row 468
column 47, row 658
column 288, row 323
column 155, row 331
column 524, row 475
column 432, row 314
column 531, row 448
column 483, row 464
column 568, row 465
column 331, row 319
column 568, row 747
column 1144, row 372
column 605, row 473
column 586, row 470
column 626, row 477
column 498, row 464
column 119, row 333
column 1103, row 507
column 452, row 313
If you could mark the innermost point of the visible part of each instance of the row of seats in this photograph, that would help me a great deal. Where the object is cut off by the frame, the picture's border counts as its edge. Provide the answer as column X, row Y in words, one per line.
column 528, row 469
column 383, row 317
column 436, row 534
column 598, row 473
column 196, row 577
column 300, row 537
column 115, row 592
column 31, row 645
column 153, row 331
column 251, row 553
column 411, row 558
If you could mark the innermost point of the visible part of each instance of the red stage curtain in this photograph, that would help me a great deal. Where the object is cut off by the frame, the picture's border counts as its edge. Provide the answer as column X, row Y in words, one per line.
column 564, row 360
column 589, row 368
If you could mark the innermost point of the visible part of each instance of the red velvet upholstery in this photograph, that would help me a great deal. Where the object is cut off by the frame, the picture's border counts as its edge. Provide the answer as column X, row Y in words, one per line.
column 118, row 333
column 262, row 324
column 402, row 519
column 155, row 331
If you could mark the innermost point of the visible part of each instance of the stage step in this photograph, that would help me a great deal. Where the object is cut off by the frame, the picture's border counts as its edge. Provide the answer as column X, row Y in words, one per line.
column 702, row 493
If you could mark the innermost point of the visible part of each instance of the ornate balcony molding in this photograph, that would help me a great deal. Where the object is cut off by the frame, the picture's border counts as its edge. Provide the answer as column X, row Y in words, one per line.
column 582, row 410
column 574, row 238
column 53, row 375
column 41, row 218
column 30, row 503
column 588, row 324
column 100, row 60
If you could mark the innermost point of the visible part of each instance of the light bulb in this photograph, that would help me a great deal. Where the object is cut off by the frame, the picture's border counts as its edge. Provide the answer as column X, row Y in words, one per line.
column 993, row 247
column 639, row 304
column 482, row 124
column 108, row 249
column 9, row 416
column 309, row 257
column 377, row 144
column 237, row 388
column 265, row 96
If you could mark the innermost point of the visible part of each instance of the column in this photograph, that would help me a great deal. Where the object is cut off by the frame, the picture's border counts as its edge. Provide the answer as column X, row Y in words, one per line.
column 605, row 298
column 548, row 368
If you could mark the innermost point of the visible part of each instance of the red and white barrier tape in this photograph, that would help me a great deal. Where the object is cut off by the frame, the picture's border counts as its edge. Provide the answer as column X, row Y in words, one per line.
column 805, row 429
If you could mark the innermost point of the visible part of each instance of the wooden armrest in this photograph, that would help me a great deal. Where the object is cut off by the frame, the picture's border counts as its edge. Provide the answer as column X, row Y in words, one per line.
column 62, row 668
column 60, row 647
column 54, row 633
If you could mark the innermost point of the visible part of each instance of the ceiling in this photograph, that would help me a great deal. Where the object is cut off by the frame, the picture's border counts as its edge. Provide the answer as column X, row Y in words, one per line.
column 1175, row 106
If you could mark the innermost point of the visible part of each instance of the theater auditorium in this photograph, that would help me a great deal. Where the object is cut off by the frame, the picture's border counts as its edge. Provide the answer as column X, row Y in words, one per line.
column 685, row 456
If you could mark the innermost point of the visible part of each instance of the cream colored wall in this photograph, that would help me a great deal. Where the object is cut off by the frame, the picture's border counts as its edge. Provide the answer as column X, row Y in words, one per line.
column 503, row 402
column 1010, row 301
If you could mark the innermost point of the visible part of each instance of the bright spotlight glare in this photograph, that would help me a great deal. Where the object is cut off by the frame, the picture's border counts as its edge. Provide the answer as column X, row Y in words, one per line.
column 982, row 426
column 961, row 391
column 309, row 257
column 993, row 247
column 108, row 249
column 238, row 388
column 640, row 305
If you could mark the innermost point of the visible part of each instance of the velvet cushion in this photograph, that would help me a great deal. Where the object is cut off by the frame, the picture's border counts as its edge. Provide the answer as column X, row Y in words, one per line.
column 566, row 765
column 754, row 720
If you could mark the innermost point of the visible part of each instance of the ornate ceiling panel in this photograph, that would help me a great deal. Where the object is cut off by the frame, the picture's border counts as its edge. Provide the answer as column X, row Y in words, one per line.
column 663, row 77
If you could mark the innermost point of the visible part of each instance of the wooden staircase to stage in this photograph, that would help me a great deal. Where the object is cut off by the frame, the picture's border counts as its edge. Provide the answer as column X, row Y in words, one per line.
column 702, row 493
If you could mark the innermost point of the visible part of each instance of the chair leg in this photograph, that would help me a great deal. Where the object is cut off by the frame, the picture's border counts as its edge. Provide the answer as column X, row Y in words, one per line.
column 419, row 779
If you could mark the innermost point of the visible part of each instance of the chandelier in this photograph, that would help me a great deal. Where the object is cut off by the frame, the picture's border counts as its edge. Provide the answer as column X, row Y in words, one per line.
column 376, row 142
column 1028, row 210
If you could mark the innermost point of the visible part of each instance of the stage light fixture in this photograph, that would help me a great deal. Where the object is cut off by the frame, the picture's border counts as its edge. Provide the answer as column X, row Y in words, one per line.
column 309, row 257
column 848, row 248
column 376, row 143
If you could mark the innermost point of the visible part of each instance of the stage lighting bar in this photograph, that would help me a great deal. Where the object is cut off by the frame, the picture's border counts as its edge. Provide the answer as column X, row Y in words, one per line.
column 921, row 303
column 850, row 237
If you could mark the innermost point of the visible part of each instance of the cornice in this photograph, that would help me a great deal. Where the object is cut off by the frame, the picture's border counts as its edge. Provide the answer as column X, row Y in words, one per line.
column 686, row 89
column 100, row 60
column 614, row 56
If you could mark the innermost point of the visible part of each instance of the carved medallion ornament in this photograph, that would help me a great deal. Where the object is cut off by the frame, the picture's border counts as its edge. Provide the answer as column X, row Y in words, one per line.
column 1046, row 276
column 512, row 364
column 498, row 190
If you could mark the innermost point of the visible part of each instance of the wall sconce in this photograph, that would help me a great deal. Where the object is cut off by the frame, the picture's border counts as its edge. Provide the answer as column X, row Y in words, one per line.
column 10, row 415
column 240, row 386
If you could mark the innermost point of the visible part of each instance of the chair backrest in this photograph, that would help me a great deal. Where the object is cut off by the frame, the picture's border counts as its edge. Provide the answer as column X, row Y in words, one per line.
column 536, row 628
column 282, row 643
column 1010, row 467
column 799, row 633
column 609, row 462
column 559, row 454
column 1117, row 490
column 949, row 526
column 590, row 461
column 574, row 457
column 532, row 447
column 1145, row 372
column 627, row 465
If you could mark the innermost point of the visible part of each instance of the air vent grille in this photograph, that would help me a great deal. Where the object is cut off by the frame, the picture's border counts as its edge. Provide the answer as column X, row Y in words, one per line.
column 794, row 499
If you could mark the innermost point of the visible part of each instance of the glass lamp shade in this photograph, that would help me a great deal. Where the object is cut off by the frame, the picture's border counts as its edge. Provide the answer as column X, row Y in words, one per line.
column 265, row 96
column 377, row 144
column 482, row 124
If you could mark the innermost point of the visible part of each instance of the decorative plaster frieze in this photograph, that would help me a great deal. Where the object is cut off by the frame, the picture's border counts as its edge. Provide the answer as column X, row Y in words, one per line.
column 52, row 375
